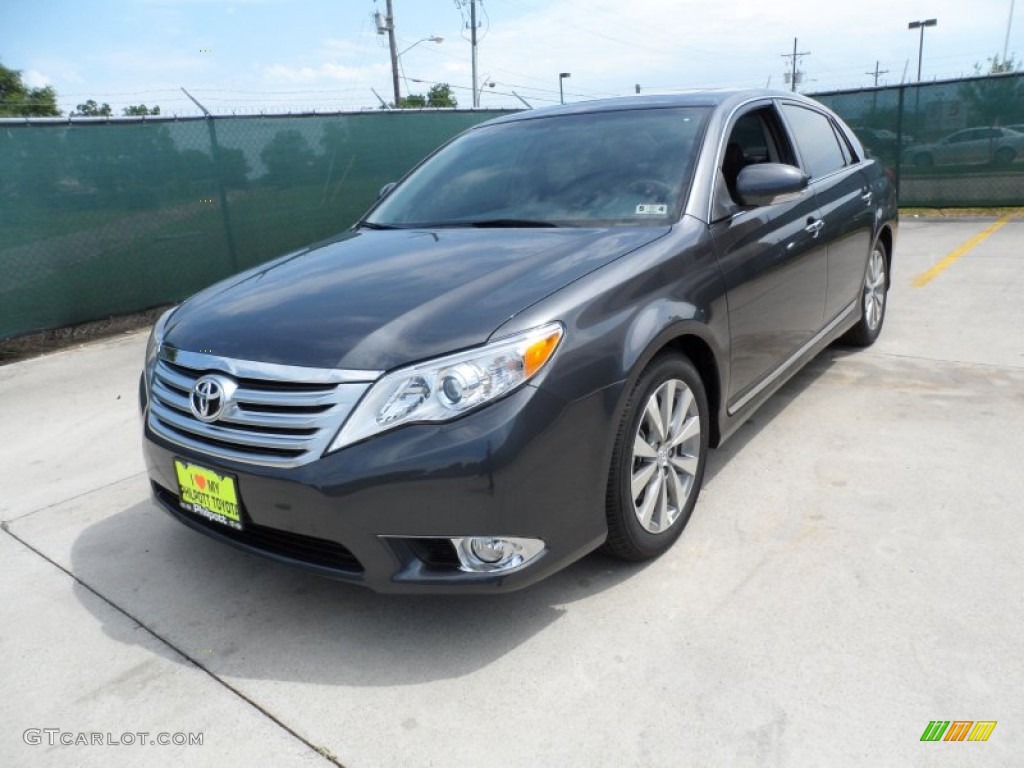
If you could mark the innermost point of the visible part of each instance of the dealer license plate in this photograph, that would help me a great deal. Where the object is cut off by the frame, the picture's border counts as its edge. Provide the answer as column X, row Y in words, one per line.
column 208, row 494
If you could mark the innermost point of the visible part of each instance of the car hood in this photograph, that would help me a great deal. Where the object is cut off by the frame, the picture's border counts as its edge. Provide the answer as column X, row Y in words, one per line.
column 374, row 300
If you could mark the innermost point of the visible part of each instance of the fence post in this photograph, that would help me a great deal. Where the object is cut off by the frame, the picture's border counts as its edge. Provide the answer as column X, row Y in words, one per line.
column 225, row 214
column 899, row 140
column 221, row 192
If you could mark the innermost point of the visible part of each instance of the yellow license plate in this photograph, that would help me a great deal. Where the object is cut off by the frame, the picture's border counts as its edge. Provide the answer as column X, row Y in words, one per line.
column 208, row 494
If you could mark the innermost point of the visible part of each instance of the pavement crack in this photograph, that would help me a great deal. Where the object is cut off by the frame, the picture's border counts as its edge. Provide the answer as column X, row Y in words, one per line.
column 22, row 516
column 322, row 751
column 922, row 358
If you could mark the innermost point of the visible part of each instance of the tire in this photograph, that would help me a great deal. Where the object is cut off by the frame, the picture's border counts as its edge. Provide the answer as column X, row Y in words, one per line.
column 643, row 525
column 924, row 160
column 874, row 299
column 1005, row 155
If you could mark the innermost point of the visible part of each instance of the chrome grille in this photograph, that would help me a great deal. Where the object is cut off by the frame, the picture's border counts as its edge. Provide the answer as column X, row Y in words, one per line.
column 276, row 415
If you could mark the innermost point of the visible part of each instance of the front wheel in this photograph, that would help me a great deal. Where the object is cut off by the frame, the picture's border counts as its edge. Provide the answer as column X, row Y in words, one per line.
column 874, row 294
column 658, row 460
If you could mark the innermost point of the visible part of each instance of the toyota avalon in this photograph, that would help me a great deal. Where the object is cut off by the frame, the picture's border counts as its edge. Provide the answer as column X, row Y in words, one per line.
column 524, row 351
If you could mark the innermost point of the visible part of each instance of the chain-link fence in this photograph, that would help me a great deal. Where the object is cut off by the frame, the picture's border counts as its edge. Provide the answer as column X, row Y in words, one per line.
column 107, row 217
column 955, row 143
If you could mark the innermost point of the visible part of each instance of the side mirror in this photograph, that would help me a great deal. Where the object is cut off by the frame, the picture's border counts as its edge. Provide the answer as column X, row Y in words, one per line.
column 385, row 189
column 770, row 183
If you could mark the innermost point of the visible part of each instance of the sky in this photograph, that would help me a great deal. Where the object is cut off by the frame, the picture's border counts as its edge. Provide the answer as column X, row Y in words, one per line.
column 277, row 56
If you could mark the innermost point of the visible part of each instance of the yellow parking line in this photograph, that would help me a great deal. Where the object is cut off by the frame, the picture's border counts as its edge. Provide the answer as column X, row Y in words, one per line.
column 941, row 266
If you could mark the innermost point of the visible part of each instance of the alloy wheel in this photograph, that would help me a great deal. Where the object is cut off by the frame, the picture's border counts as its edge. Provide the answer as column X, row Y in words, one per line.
column 874, row 289
column 666, row 456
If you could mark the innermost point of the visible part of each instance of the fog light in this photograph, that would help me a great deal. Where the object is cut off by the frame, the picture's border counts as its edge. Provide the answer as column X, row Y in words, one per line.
column 487, row 554
column 488, row 550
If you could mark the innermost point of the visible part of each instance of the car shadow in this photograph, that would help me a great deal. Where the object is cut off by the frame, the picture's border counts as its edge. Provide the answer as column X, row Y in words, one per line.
column 242, row 616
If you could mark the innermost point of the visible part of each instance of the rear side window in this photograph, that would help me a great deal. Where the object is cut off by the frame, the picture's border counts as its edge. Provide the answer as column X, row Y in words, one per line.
column 815, row 139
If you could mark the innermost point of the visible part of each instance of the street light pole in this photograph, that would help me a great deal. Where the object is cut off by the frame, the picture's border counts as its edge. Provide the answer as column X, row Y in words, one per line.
column 920, row 46
column 432, row 39
column 561, row 79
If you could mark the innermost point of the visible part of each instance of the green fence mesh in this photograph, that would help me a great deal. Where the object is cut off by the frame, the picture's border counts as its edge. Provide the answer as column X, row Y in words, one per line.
column 949, row 144
column 102, row 218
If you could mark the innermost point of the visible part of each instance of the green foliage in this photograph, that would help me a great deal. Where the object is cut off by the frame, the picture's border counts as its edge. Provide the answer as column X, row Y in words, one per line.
column 17, row 100
column 997, row 66
column 994, row 100
column 412, row 101
column 140, row 109
column 92, row 109
column 441, row 96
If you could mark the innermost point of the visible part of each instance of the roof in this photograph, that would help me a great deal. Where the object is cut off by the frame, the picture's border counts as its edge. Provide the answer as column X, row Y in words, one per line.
column 695, row 98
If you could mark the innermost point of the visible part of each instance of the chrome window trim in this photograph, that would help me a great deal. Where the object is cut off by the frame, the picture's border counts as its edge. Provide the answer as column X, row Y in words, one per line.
column 720, row 150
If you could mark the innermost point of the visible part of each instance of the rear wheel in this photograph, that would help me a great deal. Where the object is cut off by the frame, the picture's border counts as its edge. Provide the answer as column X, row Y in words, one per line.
column 874, row 295
column 658, row 460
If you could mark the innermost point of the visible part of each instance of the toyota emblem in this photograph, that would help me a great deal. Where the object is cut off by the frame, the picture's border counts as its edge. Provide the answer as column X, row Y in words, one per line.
column 210, row 397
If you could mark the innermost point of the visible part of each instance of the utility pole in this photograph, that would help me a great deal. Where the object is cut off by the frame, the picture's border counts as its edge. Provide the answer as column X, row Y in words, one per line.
column 793, row 74
column 460, row 4
column 1009, row 23
column 877, row 72
column 472, row 40
column 390, row 25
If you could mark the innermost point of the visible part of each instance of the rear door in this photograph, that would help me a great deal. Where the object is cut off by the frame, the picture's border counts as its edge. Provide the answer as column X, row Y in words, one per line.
column 844, row 198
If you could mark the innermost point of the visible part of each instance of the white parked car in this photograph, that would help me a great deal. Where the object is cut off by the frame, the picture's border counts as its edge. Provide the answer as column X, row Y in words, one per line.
column 970, row 146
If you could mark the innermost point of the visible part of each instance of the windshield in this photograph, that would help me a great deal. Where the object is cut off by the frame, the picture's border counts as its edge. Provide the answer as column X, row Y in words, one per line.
column 594, row 169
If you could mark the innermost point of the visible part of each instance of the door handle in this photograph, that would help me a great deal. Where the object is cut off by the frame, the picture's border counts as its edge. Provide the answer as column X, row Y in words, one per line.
column 814, row 226
column 866, row 196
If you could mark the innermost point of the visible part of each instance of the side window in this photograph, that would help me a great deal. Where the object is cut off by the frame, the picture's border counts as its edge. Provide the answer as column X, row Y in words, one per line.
column 818, row 144
column 755, row 138
column 844, row 147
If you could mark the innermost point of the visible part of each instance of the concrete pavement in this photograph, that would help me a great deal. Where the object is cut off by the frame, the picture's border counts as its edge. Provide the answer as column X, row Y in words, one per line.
column 852, row 571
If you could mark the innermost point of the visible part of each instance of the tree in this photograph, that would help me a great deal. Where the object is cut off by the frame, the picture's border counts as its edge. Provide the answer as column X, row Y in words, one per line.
column 412, row 101
column 141, row 109
column 18, row 100
column 441, row 96
column 997, row 66
column 996, row 100
column 92, row 109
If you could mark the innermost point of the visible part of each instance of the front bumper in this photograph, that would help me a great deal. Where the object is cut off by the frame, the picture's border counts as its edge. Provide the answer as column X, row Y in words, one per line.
column 530, row 465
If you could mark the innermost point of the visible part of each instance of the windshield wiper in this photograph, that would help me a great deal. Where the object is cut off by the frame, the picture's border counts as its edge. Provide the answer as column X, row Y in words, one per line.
column 497, row 223
column 371, row 225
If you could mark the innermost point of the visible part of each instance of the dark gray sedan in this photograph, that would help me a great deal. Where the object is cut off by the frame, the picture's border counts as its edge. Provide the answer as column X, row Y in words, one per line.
column 524, row 351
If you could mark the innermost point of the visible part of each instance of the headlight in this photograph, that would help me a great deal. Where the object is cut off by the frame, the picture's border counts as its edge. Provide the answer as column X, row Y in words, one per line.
column 446, row 387
column 156, row 340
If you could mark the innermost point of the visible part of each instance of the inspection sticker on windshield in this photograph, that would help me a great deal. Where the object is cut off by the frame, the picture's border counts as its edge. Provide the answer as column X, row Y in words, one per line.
column 651, row 209
column 208, row 494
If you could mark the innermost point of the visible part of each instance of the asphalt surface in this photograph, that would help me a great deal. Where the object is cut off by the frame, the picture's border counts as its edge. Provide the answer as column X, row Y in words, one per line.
column 852, row 572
